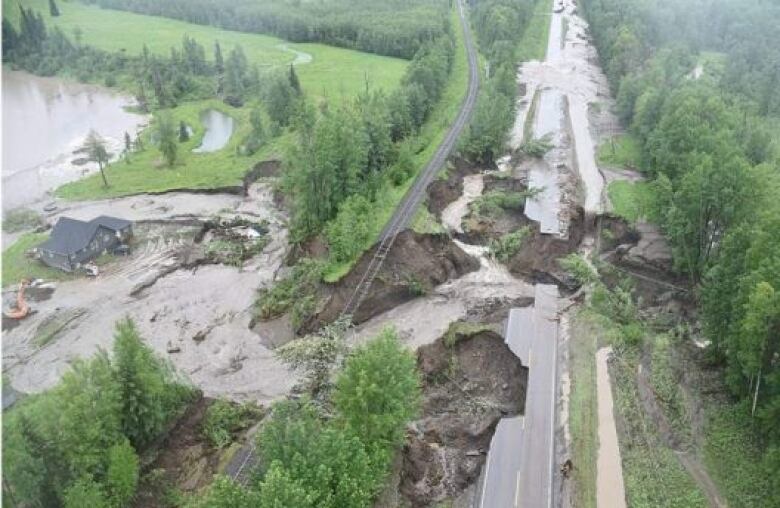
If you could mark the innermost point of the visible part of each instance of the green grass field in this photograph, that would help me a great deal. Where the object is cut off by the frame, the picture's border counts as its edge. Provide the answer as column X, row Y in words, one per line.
column 147, row 172
column 431, row 135
column 332, row 72
column 583, row 410
column 17, row 266
column 633, row 201
column 622, row 151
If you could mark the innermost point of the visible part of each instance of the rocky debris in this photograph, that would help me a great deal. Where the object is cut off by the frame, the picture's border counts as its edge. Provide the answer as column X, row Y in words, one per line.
column 464, row 376
column 415, row 264
column 651, row 251
column 442, row 192
column 233, row 241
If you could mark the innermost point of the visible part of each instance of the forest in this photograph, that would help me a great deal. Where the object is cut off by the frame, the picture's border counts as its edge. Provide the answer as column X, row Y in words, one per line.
column 710, row 143
column 393, row 28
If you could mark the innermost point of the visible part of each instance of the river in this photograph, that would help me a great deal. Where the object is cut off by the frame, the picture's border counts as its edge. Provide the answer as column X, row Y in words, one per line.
column 44, row 121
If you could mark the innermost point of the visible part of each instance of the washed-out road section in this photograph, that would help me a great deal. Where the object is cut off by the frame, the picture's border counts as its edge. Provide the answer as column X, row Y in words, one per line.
column 519, row 470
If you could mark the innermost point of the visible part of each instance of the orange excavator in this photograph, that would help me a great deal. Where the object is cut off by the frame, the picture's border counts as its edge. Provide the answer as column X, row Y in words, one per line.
column 22, row 309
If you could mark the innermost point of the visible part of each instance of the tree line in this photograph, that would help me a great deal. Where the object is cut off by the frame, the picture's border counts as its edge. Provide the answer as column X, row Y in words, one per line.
column 394, row 28
column 499, row 26
column 77, row 444
column 333, row 447
column 710, row 144
column 344, row 155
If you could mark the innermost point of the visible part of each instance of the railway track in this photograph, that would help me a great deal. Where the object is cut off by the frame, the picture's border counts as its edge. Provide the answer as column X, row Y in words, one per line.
column 405, row 212
column 245, row 459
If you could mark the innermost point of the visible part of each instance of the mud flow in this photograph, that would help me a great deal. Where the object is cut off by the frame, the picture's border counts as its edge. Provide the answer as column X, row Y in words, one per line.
column 470, row 381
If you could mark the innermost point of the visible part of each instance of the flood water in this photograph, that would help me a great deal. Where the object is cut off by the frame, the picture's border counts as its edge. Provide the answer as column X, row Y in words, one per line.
column 219, row 128
column 44, row 121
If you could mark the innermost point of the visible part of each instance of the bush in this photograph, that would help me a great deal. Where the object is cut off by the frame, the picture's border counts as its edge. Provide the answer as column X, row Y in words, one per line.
column 508, row 245
column 224, row 418
column 536, row 147
column 20, row 219
column 296, row 293
column 491, row 203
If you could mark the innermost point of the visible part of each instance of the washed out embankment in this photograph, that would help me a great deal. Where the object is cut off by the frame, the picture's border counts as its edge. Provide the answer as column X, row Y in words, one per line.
column 414, row 265
column 470, row 381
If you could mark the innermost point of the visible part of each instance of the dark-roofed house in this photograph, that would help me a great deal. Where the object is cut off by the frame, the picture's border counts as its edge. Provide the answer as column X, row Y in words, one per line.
column 73, row 243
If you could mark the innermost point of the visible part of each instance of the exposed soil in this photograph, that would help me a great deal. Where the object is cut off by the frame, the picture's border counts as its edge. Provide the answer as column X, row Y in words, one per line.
column 468, row 387
column 442, row 192
column 184, row 460
column 416, row 264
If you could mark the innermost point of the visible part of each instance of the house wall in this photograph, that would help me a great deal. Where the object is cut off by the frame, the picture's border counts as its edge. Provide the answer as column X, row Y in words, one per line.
column 56, row 260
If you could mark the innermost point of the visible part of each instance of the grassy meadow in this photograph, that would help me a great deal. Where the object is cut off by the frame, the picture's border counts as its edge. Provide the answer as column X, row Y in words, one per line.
column 333, row 72
column 147, row 172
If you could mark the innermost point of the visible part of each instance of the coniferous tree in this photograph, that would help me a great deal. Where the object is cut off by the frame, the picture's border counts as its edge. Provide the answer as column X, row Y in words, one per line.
column 53, row 10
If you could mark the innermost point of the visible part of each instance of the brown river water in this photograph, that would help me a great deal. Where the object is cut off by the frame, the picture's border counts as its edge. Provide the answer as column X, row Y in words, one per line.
column 44, row 121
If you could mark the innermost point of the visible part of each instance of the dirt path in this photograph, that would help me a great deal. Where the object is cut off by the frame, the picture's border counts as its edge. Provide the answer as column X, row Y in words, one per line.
column 688, row 459
column 610, row 491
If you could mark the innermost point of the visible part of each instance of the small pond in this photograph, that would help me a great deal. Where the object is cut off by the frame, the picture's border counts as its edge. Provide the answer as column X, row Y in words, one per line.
column 219, row 128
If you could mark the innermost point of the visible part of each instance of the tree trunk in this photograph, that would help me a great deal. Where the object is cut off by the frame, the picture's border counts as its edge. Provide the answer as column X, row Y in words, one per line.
column 755, row 395
column 105, row 182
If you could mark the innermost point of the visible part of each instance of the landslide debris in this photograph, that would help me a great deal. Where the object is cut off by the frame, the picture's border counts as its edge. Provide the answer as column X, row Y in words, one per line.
column 414, row 265
column 470, row 381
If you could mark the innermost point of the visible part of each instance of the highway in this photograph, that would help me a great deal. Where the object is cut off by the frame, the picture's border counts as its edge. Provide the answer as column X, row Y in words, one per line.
column 520, row 467
column 406, row 210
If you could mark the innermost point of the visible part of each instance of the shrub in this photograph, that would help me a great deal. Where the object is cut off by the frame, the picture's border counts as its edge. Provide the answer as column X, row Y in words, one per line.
column 224, row 418
column 508, row 245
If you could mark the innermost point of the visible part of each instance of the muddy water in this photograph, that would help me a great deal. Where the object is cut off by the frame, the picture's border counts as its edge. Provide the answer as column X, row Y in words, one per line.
column 219, row 128
column 452, row 216
column 44, row 121
column 198, row 318
column 567, row 83
column 610, row 491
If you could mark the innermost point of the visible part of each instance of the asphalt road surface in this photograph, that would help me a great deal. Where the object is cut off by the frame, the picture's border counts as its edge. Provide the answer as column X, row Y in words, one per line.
column 519, row 471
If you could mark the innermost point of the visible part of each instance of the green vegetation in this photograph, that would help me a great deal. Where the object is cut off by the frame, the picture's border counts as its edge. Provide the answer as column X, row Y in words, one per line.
column 745, row 472
column 310, row 458
column 492, row 203
column 499, row 27
column 583, row 409
column 147, row 172
column 296, row 293
column 17, row 265
column 508, row 245
column 710, row 144
column 77, row 444
column 423, row 145
column 224, row 419
column 20, row 219
column 460, row 330
column 393, row 27
column 536, row 147
column 634, row 201
column 333, row 72
column 533, row 43
column 622, row 151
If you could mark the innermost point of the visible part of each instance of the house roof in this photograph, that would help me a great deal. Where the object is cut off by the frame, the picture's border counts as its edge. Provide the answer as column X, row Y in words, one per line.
column 70, row 235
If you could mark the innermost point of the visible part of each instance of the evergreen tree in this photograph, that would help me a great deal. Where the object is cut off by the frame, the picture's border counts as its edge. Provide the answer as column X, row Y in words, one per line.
column 184, row 133
column 166, row 136
column 53, row 10
column 96, row 150
column 295, row 84
column 219, row 64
